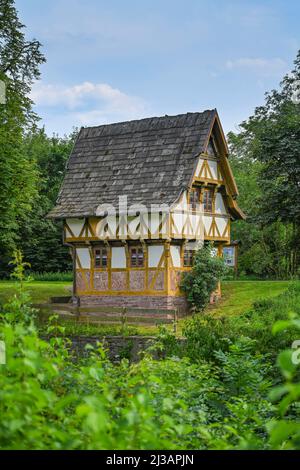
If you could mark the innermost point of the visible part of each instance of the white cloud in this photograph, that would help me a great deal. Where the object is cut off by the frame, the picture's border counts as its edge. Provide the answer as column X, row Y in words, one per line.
column 75, row 96
column 85, row 104
column 264, row 66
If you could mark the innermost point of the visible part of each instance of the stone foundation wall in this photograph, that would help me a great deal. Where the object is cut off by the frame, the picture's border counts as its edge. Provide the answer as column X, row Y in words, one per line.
column 117, row 347
column 143, row 301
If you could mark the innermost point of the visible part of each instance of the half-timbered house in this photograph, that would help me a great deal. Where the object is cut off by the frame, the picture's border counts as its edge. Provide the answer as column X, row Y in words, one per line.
column 137, row 199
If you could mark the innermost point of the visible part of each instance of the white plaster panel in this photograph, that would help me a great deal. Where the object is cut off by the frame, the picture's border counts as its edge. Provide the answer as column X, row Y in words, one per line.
column 207, row 220
column 165, row 224
column 221, row 224
column 193, row 223
column 219, row 204
column 199, row 226
column 118, row 257
column 75, row 225
column 122, row 223
column 154, row 255
column 107, row 227
column 84, row 258
column 213, row 166
column 100, row 228
column 133, row 223
column 154, row 225
column 112, row 225
column 68, row 233
column 175, row 254
column 178, row 221
column 199, row 165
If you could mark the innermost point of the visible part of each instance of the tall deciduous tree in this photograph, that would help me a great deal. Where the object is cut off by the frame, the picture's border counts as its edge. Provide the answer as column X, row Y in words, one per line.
column 269, row 141
column 41, row 238
column 19, row 67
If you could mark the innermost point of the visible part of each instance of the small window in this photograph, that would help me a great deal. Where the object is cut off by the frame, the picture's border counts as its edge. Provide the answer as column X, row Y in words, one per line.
column 188, row 257
column 194, row 198
column 136, row 257
column 100, row 257
column 208, row 200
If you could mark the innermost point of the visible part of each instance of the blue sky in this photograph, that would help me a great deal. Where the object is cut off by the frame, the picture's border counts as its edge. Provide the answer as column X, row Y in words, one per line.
column 116, row 60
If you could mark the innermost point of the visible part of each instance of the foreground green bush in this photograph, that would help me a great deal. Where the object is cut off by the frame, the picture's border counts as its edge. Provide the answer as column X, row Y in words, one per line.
column 207, row 333
column 218, row 398
column 49, row 401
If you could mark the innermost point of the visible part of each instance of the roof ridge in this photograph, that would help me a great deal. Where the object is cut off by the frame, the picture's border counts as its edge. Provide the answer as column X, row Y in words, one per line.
column 172, row 116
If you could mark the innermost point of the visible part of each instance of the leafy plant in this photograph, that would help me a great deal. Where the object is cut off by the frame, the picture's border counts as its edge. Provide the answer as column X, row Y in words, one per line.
column 211, row 394
column 21, row 298
column 285, row 432
column 204, row 335
column 199, row 283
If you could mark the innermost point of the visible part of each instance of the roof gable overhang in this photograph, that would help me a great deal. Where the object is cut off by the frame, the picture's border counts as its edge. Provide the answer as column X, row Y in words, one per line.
column 216, row 132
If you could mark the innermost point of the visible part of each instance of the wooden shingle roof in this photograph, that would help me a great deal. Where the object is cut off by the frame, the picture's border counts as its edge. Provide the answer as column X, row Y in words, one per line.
column 149, row 160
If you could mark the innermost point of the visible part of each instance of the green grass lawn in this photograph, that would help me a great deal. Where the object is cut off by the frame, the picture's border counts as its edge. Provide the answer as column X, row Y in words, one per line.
column 40, row 291
column 237, row 296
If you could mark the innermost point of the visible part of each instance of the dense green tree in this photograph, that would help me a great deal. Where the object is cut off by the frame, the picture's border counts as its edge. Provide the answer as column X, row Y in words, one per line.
column 41, row 238
column 19, row 67
column 266, row 160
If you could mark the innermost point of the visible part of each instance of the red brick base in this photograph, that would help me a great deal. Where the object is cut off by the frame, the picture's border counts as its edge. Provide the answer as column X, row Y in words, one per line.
column 144, row 301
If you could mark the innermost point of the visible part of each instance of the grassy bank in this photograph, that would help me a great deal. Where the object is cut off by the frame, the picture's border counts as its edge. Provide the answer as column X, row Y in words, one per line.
column 237, row 297
column 39, row 291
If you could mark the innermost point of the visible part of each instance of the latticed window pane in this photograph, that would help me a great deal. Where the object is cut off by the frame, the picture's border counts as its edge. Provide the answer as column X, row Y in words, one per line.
column 188, row 257
column 133, row 258
column 100, row 258
column 208, row 200
column 140, row 257
column 104, row 258
column 136, row 257
column 97, row 258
